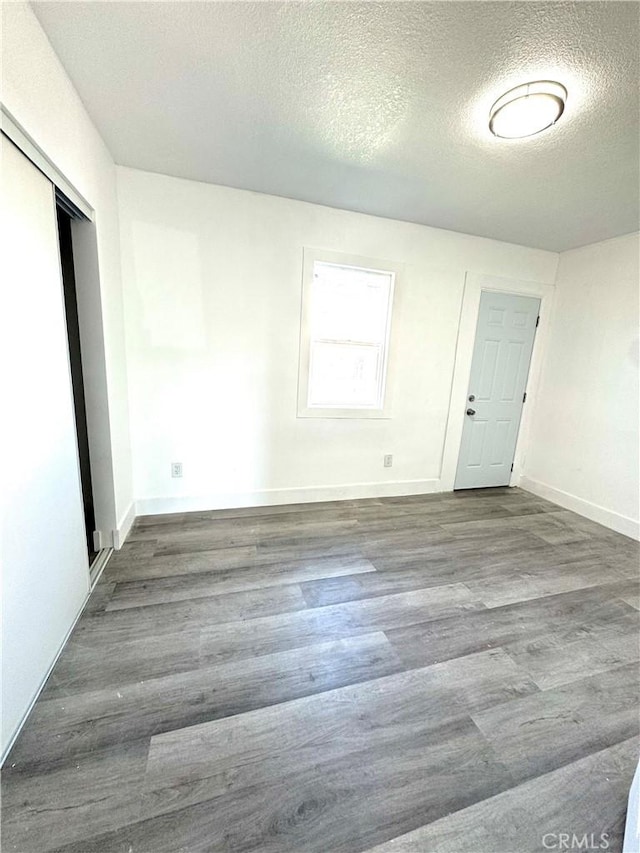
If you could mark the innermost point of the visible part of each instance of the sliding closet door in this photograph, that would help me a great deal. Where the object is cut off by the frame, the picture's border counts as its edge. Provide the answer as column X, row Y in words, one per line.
column 44, row 557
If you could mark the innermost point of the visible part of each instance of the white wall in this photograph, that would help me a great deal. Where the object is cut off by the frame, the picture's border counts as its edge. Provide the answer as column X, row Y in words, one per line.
column 583, row 451
column 212, row 280
column 38, row 93
column 45, row 571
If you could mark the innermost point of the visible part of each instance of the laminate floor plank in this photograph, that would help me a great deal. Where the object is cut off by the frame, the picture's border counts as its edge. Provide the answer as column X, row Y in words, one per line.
column 192, row 765
column 100, row 597
column 433, row 513
column 189, row 615
column 566, row 617
column 535, row 813
column 55, row 804
column 133, row 550
column 595, row 531
column 342, row 806
column 151, row 566
column 317, row 727
column 632, row 597
column 422, row 671
column 474, row 549
column 218, row 521
column 528, row 505
column 237, row 640
column 620, row 554
column 230, row 537
column 408, row 578
column 357, row 540
column 82, row 723
column 158, row 639
column 208, row 584
column 541, row 732
column 551, row 663
column 546, row 580
column 313, row 549
column 554, row 528
column 501, row 580
column 91, row 662
column 468, row 496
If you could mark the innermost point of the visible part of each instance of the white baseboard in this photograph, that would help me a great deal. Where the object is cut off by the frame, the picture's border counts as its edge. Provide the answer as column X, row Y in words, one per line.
column 124, row 526
column 614, row 520
column 273, row 497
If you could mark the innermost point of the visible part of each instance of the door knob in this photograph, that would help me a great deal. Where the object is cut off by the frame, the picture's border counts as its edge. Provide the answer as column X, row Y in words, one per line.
column 471, row 411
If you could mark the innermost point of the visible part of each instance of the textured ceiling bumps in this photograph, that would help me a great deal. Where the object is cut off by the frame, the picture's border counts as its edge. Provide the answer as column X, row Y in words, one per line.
column 375, row 107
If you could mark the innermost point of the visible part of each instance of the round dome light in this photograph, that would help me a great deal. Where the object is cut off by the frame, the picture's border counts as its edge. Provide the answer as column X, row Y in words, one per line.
column 527, row 109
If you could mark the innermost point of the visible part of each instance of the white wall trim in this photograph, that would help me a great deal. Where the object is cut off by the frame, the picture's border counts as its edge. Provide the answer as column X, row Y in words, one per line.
column 12, row 128
column 103, row 562
column 310, row 257
column 473, row 287
column 273, row 497
column 620, row 523
column 124, row 526
column 97, row 567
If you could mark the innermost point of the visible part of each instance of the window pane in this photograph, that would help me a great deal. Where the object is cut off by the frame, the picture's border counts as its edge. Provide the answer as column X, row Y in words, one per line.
column 349, row 304
column 345, row 375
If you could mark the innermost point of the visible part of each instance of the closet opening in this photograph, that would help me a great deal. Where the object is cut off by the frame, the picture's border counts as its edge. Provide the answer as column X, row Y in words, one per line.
column 66, row 212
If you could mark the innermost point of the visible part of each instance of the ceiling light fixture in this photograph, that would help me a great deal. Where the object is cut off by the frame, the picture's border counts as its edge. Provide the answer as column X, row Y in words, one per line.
column 527, row 109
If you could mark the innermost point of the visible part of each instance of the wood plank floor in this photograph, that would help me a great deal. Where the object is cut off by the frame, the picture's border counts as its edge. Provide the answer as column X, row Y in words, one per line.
column 451, row 673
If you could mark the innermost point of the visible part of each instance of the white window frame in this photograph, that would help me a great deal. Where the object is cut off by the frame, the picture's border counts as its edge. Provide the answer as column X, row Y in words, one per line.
column 311, row 257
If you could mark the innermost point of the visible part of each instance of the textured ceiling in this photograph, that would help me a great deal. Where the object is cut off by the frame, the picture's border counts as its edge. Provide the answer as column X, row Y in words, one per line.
column 375, row 107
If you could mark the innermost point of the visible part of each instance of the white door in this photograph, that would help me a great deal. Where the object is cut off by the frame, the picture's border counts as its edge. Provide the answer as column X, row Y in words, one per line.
column 499, row 369
column 45, row 570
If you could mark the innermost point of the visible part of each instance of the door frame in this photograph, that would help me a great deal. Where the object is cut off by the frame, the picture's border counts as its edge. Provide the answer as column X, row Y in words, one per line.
column 470, row 305
column 84, row 238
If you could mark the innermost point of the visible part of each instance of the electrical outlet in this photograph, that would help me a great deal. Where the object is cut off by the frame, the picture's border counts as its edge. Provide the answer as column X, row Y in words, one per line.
column 176, row 469
column 388, row 461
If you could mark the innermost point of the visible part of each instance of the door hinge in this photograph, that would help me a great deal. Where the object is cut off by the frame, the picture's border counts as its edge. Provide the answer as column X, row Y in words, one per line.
column 524, row 397
column 537, row 321
column 512, row 466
